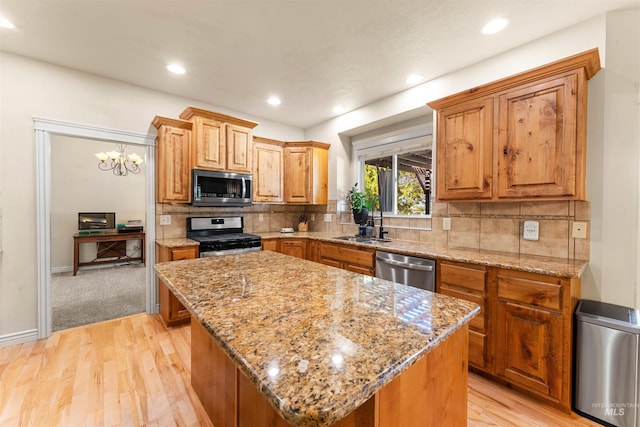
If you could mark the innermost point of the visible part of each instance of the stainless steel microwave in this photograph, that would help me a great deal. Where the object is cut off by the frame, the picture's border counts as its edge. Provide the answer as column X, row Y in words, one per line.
column 214, row 188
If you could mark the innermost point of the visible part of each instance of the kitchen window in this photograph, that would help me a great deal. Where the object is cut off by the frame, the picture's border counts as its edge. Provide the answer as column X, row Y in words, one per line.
column 398, row 166
column 403, row 182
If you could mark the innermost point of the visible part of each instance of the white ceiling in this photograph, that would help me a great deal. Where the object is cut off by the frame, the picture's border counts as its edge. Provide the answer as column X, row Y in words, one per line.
column 313, row 54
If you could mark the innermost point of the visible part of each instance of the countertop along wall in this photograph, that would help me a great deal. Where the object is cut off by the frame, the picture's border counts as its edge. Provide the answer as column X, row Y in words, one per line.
column 613, row 156
column 30, row 88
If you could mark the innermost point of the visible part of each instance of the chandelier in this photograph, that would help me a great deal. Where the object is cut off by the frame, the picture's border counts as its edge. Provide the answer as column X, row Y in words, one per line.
column 117, row 162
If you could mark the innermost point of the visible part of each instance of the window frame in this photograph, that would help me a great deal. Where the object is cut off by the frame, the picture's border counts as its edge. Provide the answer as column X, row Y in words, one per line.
column 401, row 141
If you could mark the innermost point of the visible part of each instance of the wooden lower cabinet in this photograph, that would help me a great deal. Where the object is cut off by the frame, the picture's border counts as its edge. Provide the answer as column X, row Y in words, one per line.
column 347, row 257
column 533, row 336
column 294, row 247
column 270, row 245
column 172, row 311
column 523, row 333
column 468, row 282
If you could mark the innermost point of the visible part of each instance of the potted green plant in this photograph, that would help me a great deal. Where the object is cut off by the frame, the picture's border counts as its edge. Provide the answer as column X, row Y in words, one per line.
column 360, row 203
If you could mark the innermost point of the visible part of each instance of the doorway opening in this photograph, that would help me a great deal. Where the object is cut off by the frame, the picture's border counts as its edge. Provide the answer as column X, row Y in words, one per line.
column 90, row 204
column 46, row 133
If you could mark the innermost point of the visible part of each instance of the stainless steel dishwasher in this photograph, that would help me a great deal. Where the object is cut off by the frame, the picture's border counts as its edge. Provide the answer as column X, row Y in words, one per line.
column 408, row 270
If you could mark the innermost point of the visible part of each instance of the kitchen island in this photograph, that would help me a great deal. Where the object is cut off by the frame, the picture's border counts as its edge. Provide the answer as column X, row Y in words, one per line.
column 280, row 341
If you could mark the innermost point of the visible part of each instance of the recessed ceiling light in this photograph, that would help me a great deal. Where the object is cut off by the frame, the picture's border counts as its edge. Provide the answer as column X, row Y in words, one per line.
column 274, row 100
column 338, row 109
column 176, row 68
column 495, row 26
column 5, row 23
column 413, row 79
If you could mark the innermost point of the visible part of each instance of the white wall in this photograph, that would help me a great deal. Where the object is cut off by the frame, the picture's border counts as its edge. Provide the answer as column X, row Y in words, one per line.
column 77, row 185
column 579, row 38
column 612, row 147
column 31, row 88
column 613, row 155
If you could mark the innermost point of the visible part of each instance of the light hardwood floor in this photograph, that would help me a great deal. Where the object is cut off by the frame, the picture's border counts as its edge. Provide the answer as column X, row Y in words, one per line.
column 133, row 372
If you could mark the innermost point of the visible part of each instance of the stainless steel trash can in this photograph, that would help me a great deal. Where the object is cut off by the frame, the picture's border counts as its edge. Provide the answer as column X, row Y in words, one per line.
column 606, row 363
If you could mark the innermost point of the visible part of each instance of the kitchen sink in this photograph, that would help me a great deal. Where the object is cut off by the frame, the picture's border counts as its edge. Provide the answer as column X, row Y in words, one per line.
column 362, row 239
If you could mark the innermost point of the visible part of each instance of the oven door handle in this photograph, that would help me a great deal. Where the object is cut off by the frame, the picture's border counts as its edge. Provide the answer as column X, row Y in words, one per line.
column 409, row 266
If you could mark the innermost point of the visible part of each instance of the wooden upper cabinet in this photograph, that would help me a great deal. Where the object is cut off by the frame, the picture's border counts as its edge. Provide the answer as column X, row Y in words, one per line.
column 221, row 142
column 464, row 150
column 297, row 164
column 306, row 170
column 239, row 141
column 539, row 153
column 519, row 138
column 173, row 177
column 268, row 164
column 209, row 148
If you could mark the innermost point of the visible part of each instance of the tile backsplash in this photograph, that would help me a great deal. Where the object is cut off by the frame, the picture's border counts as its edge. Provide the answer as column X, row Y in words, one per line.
column 485, row 226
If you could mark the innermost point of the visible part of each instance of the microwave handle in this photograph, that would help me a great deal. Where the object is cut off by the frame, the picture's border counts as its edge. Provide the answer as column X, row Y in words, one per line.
column 244, row 188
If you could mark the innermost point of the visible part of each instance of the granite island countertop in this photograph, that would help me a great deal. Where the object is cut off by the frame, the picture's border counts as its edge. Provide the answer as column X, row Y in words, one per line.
column 316, row 341
column 560, row 267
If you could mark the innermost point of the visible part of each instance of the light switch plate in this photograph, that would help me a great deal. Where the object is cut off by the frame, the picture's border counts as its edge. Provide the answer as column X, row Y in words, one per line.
column 165, row 219
column 260, row 217
column 327, row 217
column 531, row 230
column 446, row 224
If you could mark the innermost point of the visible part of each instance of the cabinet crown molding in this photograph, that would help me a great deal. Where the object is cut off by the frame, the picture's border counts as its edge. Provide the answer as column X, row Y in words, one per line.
column 588, row 60
column 180, row 124
column 268, row 140
column 315, row 144
column 190, row 112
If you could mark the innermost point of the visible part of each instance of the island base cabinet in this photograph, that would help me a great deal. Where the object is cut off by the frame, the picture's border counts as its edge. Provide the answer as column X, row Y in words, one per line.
column 432, row 392
column 214, row 377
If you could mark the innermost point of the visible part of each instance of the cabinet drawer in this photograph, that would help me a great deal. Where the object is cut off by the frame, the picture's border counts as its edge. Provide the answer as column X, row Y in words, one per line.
column 184, row 253
column 530, row 291
column 478, row 321
column 358, row 269
column 348, row 255
column 331, row 262
column 464, row 277
column 476, row 348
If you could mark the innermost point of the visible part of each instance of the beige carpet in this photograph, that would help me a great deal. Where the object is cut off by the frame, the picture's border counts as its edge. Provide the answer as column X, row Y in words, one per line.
column 96, row 295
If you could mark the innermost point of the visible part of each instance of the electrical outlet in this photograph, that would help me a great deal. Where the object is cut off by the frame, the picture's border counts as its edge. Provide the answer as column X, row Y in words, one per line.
column 446, row 224
column 579, row 230
column 165, row 219
column 531, row 230
column 260, row 217
column 313, row 217
column 327, row 217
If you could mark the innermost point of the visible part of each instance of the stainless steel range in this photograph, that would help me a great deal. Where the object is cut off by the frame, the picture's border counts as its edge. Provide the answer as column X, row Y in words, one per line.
column 221, row 236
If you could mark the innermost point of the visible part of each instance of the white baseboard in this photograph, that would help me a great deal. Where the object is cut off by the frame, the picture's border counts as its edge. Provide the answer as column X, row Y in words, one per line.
column 66, row 269
column 18, row 337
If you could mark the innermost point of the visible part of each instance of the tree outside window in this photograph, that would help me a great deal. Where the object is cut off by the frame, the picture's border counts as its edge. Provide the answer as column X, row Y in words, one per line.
column 411, row 175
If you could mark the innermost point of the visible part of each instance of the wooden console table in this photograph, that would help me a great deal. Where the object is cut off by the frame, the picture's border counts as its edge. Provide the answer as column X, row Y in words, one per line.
column 107, row 236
